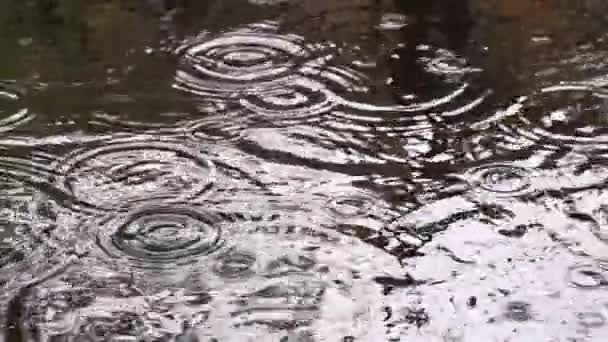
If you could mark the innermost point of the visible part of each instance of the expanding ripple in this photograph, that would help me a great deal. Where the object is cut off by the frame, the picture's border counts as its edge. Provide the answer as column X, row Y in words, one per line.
column 119, row 174
column 568, row 115
column 158, row 236
column 436, row 80
column 501, row 179
column 12, row 113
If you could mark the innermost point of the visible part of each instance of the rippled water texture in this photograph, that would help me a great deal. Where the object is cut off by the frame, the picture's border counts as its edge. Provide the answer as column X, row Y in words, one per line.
column 301, row 170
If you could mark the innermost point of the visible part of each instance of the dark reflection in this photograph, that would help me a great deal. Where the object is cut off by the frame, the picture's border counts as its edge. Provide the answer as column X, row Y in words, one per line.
column 445, row 24
column 450, row 21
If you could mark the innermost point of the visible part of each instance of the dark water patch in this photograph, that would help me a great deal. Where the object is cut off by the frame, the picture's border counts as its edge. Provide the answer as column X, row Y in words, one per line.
column 125, row 172
column 436, row 80
column 221, row 123
column 518, row 311
column 393, row 21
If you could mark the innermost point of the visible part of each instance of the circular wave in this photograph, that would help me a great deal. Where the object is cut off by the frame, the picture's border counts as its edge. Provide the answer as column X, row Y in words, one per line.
column 12, row 113
column 272, row 75
column 431, row 79
column 301, row 98
column 568, row 115
column 156, row 236
column 114, row 176
column 502, row 180
column 244, row 61
column 393, row 21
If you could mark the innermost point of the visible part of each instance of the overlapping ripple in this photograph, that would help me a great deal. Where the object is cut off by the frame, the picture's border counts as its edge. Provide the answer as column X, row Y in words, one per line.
column 259, row 68
column 124, row 172
column 562, row 116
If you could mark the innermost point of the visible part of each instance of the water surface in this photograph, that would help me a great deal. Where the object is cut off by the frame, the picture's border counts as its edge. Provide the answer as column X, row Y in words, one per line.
column 301, row 170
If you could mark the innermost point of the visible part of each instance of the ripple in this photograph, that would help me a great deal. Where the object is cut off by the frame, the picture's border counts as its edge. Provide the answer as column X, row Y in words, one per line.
column 501, row 179
column 12, row 114
column 113, row 176
column 567, row 115
column 587, row 276
column 301, row 98
column 427, row 78
column 238, row 62
column 348, row 206
column 156, row 236
column 393, row 21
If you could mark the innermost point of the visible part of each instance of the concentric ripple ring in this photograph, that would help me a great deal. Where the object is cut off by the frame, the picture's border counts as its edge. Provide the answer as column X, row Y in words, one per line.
column 243, row 61
column 158, row 235
column 501, row 179
column 121, row 174
column 562, row 115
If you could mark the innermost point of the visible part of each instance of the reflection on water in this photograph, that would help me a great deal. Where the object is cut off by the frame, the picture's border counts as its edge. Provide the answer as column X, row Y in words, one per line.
column 302, row 170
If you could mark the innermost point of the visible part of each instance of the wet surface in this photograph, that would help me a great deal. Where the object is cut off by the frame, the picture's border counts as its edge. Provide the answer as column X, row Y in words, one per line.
column 302, row 170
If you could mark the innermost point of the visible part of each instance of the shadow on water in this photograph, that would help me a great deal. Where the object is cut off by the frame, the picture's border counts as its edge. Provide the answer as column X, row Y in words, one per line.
column 300, row 170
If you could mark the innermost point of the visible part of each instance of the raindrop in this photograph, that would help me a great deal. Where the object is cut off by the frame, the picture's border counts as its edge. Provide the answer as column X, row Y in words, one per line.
column 566, row 114
column 518, row 311
column 12, row 112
